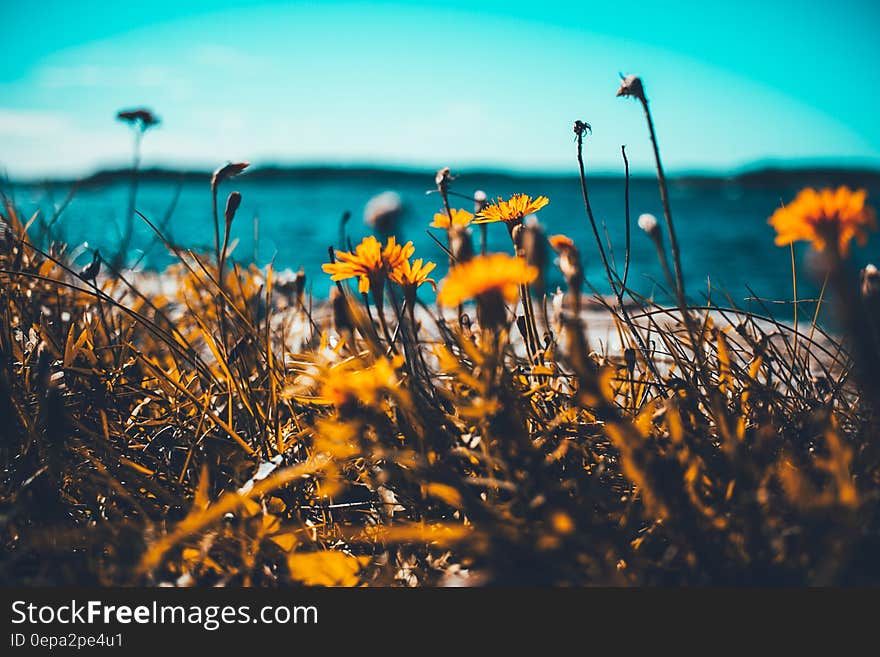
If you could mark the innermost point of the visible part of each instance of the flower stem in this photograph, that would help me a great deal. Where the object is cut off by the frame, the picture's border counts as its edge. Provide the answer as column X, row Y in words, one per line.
column 664, row 198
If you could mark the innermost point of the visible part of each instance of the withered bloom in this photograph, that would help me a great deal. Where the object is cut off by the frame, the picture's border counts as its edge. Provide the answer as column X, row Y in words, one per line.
column 442, row 180
column 227, row 171
column 581, row 128
column 631, row 86
column 141, row 118
column 570, row 266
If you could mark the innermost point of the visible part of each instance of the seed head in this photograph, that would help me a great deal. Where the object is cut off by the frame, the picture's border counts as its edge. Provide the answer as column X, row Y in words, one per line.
column 648, row 223
column 481, row 200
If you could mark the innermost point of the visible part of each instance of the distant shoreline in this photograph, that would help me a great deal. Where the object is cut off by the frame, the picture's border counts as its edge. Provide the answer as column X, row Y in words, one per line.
column 858, row 176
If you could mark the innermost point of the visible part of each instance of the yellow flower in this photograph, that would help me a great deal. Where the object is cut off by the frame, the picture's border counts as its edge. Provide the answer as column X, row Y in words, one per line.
column 825, row 216
column 394, row 254
column 459, row 218
column 369, row 263
column 412, row 275
column 349, row 382
column 495, row 273
column 512, row 210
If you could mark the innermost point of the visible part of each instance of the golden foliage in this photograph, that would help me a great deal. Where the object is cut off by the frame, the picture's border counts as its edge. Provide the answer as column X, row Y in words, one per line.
column 213, row 435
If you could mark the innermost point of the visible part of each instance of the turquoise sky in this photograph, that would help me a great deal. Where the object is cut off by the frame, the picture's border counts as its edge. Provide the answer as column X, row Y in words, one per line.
column 428, row 84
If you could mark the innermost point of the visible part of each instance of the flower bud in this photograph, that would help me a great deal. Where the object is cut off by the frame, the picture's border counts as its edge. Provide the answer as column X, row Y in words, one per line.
column 232, row 203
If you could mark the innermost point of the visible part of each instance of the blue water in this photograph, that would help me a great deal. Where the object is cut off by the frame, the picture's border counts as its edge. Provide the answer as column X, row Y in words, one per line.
column 722, row 228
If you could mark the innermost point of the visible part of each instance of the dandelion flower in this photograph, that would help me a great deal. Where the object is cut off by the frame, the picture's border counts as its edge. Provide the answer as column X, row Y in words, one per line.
column 412, row 275
column 825, row 216
column 370, row 262
column 512, row 210
column 459, row 218
column 497, row 273
column 348, row 383
column 394, row 254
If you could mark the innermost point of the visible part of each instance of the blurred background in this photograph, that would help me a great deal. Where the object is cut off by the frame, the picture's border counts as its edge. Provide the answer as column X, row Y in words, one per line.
column 334, row 103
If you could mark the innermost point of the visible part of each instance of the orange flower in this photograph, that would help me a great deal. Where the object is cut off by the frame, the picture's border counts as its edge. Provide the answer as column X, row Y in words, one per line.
column 490, row 274
column 459, row 218
column 369, row 263
column 394, row 254
column 824, row 216
column 512, row 210
column 350, row 382
column 412, row 275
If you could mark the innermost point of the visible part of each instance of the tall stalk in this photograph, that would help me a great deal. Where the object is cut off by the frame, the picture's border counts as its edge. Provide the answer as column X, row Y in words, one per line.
column 632, row 86
column 580, row 129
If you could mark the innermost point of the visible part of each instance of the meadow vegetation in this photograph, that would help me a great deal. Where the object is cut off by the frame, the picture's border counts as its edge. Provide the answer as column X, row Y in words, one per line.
column 238, row 432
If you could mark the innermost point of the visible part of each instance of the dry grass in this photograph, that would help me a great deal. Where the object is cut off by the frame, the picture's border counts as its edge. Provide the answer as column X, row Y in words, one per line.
column 228, row 434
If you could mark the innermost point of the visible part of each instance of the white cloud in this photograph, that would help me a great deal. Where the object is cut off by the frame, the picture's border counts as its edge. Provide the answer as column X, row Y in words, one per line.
column 16, row 123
